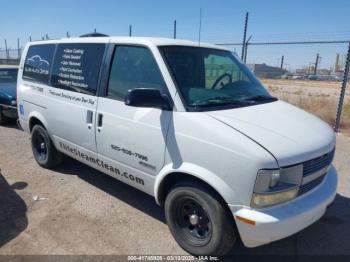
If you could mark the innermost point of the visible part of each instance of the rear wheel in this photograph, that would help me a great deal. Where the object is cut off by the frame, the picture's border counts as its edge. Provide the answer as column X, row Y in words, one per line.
column 199, row 221
column 45, row 153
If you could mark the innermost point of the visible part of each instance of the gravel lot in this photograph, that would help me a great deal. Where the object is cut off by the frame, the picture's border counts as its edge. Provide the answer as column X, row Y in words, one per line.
column 77, row 210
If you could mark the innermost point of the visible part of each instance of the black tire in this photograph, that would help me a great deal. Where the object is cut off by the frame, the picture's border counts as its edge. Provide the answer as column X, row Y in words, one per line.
column 210, row 230
column 3, row 119
column 45, row 153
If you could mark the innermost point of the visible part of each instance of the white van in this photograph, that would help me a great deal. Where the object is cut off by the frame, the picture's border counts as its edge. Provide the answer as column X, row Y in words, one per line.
column 186, row 123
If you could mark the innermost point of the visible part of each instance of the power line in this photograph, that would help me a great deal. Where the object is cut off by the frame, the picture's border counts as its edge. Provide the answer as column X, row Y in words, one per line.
column 289, row 43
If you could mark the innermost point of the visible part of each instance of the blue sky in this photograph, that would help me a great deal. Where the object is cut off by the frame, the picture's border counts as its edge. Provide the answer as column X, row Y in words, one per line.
column 222, row 21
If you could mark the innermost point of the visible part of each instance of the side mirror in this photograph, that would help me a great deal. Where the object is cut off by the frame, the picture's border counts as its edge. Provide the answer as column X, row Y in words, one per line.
column 147, row 97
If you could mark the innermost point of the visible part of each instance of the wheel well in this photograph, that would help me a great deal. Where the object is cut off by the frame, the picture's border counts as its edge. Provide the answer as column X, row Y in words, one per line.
column 34, row 121
column 176, row 178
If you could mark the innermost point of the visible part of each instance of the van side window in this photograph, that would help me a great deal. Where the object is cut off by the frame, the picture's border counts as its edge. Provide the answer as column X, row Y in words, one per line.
column 133, row 67
column 38, row 63
column 76, row 67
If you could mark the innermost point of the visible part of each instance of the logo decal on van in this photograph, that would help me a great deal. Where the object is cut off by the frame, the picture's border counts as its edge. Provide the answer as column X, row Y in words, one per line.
column 100, row 163
column 76, row 98
column 36, row 64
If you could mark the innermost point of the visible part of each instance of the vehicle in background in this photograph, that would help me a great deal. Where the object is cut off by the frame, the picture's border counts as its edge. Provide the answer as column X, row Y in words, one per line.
column 324, row 77
column 8, row 103
column 298, row 77
column 287, row 76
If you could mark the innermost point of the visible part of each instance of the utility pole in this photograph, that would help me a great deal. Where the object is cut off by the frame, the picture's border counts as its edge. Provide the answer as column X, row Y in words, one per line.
column 18, row 50
column 246, row 49
column 67, row 34
column 316, row 63
column 244, row 35
column 282, row 61
column 130, row 30
column 6, row 50
column 342, row 92
column 175, row 29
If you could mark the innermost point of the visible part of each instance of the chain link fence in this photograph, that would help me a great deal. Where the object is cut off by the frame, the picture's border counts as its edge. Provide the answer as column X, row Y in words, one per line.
column 10, row 56
column 308, row 74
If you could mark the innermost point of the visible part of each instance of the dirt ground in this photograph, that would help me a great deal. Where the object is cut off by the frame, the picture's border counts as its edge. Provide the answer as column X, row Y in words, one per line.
column 76, row 210
column 317, row 97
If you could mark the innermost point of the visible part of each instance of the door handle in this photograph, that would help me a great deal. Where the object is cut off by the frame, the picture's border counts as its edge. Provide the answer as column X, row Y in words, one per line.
column 89, row 117
column 99, row 122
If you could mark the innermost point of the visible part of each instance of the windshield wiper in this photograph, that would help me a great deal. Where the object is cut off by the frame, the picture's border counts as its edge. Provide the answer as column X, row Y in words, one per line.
column 261, row 98
column 218, row 100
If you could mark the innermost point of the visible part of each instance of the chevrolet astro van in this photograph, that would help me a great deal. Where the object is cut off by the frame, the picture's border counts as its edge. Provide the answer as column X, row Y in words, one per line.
column 187, row 123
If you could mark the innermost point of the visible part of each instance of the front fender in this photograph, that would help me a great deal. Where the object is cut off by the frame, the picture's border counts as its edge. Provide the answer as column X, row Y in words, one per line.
column 201, row 173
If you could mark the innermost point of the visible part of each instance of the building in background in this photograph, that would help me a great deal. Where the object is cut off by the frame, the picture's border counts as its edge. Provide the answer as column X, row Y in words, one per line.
column 266, row 71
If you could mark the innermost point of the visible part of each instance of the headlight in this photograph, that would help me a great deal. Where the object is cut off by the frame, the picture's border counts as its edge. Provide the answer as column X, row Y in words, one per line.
column 264, row 200
column 13, row 102
column 274, row 186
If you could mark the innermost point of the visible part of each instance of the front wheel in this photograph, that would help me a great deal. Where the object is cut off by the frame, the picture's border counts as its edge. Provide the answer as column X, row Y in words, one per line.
column 199, row 221
column 45, row 153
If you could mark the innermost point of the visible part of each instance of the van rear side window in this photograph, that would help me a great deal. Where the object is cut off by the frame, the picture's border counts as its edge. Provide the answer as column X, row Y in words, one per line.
column 76, row 67
column 38, row 63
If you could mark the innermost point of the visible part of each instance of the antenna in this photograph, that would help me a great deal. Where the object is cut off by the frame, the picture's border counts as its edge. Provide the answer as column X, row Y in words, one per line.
column 200, row 26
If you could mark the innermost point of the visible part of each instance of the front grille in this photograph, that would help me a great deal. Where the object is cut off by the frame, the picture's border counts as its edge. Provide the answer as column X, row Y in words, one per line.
column 312, row 166
column 316, row 164
column 311, row 185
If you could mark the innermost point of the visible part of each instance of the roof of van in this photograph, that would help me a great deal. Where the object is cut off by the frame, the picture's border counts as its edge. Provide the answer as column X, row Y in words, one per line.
column 158, row 41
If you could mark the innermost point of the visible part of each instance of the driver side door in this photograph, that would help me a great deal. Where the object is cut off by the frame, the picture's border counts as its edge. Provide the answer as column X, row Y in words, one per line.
column 133, row 138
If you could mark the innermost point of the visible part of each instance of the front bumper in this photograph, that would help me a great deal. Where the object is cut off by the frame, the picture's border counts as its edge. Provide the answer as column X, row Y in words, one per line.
column 281, row 221
column 9, row 111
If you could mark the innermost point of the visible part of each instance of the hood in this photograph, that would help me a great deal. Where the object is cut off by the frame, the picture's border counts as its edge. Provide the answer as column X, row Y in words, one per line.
column 8, row 90
column 290, row 134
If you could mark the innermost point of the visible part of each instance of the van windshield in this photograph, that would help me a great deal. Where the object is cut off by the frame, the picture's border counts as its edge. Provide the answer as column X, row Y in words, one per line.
column 213, row 79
